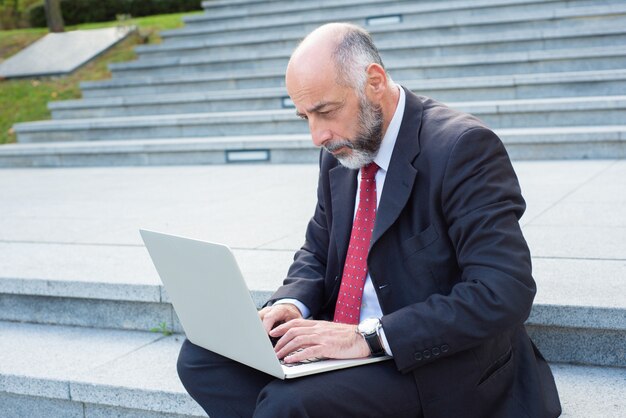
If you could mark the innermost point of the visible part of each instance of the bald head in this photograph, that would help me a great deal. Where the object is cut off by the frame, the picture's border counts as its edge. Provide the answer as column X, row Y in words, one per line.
column 339, row 50
column 325, row 37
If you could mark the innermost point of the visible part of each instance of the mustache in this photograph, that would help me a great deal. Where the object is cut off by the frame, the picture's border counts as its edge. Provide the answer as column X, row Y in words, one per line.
column 335, row 145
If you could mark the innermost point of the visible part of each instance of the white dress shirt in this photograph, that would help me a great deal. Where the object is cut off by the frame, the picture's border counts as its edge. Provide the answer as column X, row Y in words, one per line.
column 370, row 306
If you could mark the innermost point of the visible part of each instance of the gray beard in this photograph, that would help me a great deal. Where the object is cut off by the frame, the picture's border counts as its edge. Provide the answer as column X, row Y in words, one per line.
column 367, row 142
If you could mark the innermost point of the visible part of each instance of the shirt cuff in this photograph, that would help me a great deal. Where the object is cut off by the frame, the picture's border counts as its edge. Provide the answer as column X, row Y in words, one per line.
column 304, row 311
column 383, row 339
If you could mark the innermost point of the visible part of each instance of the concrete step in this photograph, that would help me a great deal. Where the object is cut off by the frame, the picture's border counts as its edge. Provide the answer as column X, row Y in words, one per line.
column 225, row 6
column 221, row 11
column 582, row 338
column 573, row 334
column 109, row 286
column 283, row 149
column 601, row 111
column 70, row 372
column 210, row 5
column 173, row 104
column 575, row 384
column 613, row 33
column 519, row 86
column 386, row 37
column 522, row 143
column 146, row 85
column 525, row 62
column 372, row 13
column 72, row 254
column 76, row 292
column 432, row 19
column 569, row 111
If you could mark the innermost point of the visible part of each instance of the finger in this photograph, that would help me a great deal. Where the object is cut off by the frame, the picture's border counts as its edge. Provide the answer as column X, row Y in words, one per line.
column 293, row 323
column 264, row 311
column 285, row 337
column 298, row 343
column 299, row 337
column 270, row 318
column 285, row 345
column 277, row 314
column 308, row 353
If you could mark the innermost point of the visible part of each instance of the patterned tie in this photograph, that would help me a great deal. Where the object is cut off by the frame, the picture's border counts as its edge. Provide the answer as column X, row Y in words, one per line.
column 348, row 306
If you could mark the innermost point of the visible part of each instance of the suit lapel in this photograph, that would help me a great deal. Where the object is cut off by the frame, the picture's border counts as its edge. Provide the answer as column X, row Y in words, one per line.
column 343, row 191
column 401, row 173
column 398, row 182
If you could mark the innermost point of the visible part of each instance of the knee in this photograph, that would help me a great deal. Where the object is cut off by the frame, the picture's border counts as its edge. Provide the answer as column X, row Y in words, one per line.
column 192, row 362
column 184, row 365
column 283, row 399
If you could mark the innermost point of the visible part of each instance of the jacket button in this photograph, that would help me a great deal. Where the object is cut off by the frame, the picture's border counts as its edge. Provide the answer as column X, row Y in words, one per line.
column 418, row 356
column 426, row 354
column 445, row 348
column 436, row 351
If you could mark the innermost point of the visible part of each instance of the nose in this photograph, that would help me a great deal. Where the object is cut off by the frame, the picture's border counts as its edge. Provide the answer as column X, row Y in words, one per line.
column 319, row 134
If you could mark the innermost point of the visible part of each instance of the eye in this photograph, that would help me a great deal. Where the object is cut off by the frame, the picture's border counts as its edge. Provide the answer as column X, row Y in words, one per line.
column 327, row 113
column 302, row 116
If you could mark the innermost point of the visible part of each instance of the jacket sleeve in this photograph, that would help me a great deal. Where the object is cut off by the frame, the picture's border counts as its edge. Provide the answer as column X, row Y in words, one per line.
column 481, row 204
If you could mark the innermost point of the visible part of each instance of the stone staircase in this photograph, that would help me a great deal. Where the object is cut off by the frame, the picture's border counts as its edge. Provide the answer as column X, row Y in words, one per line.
column 78, row 293
column 549, row 76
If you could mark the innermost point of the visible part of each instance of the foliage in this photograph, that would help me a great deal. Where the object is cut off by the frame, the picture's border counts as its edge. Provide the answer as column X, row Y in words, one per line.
column 24, row 100
column 163, row 329
column 14, row 13
column 83, row 11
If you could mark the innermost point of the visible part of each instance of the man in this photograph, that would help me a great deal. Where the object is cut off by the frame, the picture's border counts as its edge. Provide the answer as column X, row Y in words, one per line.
column 426, row 262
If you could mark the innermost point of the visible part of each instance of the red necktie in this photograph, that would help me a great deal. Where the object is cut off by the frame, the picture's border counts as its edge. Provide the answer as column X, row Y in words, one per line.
column 348, row 306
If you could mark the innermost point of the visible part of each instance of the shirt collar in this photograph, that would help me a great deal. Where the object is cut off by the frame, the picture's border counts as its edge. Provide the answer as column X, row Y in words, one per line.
column 389, row 140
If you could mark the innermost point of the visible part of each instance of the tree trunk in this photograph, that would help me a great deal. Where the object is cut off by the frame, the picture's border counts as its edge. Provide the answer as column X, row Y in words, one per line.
column 54, row 16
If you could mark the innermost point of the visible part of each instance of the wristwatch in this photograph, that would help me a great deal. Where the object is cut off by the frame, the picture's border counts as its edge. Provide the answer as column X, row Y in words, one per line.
column 370, row 330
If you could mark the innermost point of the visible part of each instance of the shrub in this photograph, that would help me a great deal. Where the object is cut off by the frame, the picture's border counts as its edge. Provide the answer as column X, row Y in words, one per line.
column 84, row 11
column 14, row 13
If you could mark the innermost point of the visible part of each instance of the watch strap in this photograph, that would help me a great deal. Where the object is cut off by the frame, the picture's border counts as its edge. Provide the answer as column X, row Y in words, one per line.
column 374, row 343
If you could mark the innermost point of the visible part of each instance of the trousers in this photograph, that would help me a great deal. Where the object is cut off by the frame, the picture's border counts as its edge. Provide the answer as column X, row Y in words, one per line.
column 225, row 388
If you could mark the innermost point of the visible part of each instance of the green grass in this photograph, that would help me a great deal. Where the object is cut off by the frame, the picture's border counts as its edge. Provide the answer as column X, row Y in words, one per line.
column 26, row 100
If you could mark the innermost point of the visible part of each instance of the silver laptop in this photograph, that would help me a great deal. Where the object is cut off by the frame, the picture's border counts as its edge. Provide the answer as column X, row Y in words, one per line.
column 215, row 308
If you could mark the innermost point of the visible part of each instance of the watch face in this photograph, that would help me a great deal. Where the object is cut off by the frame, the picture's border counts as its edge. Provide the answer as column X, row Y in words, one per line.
column 369, row 325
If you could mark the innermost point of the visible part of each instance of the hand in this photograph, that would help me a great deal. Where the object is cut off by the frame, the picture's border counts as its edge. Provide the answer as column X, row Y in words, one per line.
column 318, row 339
column 278, row 314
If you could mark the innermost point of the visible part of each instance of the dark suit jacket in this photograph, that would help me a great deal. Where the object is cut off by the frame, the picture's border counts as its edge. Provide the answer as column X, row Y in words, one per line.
column 448, row 261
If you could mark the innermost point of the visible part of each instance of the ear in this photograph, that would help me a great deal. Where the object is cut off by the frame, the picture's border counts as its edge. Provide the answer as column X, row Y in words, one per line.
column 376, row 82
